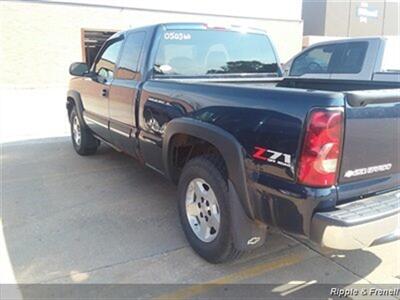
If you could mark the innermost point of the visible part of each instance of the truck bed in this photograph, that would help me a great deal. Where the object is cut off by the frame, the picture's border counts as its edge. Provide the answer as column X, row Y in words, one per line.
column 370, row 153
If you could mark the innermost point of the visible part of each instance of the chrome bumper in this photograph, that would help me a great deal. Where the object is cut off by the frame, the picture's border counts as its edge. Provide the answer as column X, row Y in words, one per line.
column 359, row 224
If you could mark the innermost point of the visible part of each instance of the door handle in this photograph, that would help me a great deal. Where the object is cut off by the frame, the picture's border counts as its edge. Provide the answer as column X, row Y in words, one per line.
column 104, row 92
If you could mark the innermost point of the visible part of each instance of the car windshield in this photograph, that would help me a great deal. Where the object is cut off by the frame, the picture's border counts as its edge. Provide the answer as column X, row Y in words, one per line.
column 191, row 53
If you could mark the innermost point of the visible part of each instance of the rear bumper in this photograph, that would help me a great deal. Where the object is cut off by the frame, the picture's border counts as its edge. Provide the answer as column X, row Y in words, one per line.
column 358, row 224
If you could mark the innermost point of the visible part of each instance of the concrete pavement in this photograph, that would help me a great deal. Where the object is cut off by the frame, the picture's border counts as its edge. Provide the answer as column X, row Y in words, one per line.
column 106, row 219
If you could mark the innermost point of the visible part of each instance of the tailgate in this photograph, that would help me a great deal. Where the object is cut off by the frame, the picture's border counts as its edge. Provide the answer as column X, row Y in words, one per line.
column 371, row 147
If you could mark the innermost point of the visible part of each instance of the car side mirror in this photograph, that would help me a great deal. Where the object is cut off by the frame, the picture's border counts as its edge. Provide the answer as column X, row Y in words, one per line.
column 78, row 69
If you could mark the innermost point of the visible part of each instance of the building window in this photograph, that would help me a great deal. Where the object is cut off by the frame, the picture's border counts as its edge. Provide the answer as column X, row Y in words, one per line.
column 92, row 41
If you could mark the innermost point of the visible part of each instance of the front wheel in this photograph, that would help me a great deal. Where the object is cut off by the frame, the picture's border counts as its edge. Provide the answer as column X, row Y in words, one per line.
column 82, row 139
column 204, row 209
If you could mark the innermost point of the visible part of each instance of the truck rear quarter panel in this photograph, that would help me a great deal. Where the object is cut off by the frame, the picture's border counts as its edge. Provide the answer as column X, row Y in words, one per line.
column 257, row 117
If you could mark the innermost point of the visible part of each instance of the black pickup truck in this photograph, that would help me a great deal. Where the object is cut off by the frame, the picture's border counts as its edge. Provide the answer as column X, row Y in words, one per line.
column 208, row 108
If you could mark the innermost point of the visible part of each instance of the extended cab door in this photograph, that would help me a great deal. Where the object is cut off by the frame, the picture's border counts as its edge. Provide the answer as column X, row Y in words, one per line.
column 95, row 95
column 124, row 92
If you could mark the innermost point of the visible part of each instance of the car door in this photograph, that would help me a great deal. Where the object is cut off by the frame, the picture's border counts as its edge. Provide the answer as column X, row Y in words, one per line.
column 124, row 92
column 95, row 95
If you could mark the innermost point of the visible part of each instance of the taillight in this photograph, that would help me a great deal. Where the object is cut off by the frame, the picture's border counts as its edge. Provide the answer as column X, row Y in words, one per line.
column 320, row 154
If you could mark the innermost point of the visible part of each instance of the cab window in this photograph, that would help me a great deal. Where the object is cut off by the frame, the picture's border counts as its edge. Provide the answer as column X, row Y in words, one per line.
column 315, row 60
column 345, row 58
column 105, row 65
column 191, row 53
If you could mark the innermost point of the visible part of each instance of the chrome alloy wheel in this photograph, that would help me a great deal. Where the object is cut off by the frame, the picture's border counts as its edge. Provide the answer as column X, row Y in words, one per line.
column 202, row 210
column 76, row 130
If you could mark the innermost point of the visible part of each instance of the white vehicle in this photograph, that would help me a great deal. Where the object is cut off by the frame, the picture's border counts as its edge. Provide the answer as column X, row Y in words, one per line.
column 372, row 58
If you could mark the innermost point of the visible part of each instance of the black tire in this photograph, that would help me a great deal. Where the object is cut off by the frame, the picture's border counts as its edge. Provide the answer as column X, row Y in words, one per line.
column 88, row 143
column 212, row 170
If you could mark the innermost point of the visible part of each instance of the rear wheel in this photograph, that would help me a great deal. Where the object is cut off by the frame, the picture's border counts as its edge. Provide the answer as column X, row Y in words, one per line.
column 82, row 139
column 204, row 209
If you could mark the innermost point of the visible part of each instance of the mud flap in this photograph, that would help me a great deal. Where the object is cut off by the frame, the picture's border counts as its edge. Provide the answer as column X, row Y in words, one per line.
column 247, row 234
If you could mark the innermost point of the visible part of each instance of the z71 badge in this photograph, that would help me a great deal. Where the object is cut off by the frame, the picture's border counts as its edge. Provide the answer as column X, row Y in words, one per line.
column 272, row 156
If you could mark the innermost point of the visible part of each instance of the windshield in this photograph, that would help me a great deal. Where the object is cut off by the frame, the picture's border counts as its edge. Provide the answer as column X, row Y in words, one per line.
column 214, row 52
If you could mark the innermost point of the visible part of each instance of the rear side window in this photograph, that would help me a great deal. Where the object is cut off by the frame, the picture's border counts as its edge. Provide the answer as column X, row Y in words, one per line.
column 129, row 62
column 345, row 58
column 350, row 58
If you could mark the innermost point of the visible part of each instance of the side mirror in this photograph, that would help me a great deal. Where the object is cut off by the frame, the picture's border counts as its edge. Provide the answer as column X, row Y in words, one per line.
column 78, row 69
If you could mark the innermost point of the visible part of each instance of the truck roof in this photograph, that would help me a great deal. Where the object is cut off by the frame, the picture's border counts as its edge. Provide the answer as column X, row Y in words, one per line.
column 346, row 40
column 196, row 25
